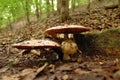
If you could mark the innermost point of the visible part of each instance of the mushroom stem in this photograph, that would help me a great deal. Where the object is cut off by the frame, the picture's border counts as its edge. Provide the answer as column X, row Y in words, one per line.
column 68, row 47
column 66, row 57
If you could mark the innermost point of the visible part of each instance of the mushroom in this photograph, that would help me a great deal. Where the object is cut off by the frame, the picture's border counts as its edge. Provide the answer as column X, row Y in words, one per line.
column 67, row 29
column 68, row 46
column 39, row 44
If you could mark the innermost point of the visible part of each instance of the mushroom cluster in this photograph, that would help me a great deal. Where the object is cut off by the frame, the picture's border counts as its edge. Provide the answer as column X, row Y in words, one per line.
column 68, row 46
column 64, row 49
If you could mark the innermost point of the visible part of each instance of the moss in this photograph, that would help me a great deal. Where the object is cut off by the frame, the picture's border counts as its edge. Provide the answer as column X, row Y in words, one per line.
column 103, row 42
column 109, row 38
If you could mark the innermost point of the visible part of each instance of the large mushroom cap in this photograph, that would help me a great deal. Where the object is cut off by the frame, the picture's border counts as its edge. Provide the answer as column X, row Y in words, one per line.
column 66, row 29
column 36, row 44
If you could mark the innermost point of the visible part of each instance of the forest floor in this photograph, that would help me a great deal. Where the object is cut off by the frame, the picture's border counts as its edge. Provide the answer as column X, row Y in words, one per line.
column 15, row 66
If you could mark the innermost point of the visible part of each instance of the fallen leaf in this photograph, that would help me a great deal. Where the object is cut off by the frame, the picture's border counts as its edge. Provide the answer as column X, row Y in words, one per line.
column 97, row 70
column 34, row 51
column 26, row 74
column 4, row 69
column 10, row 78
column 52, row 68
column 117, row 75
column 21, row 52
column 65, row 77
column 30, row 74
column 101, row 63
column 14, row 50
column 79, row 71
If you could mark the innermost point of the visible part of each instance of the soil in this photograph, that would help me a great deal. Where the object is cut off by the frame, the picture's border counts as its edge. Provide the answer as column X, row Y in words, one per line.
column 17, row 66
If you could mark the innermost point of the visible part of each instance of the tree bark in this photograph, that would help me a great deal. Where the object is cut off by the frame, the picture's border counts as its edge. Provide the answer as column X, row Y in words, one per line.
column 64, row 12
column 73, row 5
column 119, row 5
column 52, row 5
column 27, row 11
column 78, row 2
column 40, row 8
column 58, row 6
column 48, row 7
column 37, row 9
column 88, row 6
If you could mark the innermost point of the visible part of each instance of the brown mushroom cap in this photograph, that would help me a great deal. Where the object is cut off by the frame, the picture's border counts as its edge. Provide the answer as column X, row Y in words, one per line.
column 66, row 29
column 36, row 44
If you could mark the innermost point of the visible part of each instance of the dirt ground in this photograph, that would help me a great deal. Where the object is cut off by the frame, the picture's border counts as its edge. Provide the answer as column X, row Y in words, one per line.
column 17, row 66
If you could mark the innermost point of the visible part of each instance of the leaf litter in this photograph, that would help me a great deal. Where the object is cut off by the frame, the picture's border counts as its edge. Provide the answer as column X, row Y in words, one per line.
column 14, row 66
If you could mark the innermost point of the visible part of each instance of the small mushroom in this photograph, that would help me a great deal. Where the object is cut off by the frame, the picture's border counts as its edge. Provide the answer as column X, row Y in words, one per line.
column 39, row 44
column 68, row 46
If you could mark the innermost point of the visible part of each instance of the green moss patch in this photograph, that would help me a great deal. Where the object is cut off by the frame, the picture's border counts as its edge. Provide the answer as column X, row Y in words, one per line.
column 103, row 42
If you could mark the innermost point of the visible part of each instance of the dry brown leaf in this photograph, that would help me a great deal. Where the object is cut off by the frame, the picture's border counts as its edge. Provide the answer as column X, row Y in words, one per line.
column 14, row 50
column 34, row 51
column 30, row 74
column 26, row 74
column 97, row 70
column 117, row 75
column 52, row 68
column 10, row 78
column 79, row 71
column 22, row 51
column 4, row 69
column 65, row 77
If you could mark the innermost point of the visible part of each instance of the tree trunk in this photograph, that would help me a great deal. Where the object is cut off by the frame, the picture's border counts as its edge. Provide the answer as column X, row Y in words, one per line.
column 78, row 2
column 37, row 10
column 64, row 12
column 52, row 6
column 73, row 5
column 10, row 24
column 119, row 4
column 27, row 11
column 58, row 6
column 47, row 7
column 88, row 6
column 40, row 8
